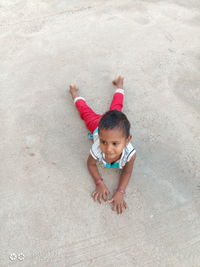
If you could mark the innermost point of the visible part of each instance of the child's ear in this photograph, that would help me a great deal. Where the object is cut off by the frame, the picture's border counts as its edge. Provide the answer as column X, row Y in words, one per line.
column 128, row 139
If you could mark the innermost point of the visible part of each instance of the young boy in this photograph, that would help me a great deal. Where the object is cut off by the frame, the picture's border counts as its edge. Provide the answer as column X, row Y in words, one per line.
column 112, row 147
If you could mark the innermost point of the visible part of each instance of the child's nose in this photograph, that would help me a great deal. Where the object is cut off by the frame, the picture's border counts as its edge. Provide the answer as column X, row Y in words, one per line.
column 109, row 149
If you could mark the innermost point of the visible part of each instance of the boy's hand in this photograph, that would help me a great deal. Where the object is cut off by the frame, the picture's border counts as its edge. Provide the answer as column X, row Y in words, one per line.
column 101, row 192
column 118, row 202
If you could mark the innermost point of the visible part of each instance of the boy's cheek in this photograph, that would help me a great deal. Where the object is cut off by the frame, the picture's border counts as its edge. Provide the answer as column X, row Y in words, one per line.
column 121, row 148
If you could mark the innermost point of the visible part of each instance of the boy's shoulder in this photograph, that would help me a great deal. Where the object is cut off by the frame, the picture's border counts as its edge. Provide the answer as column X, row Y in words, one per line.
column 95, row 150
column 129, row 147
column 129, row 151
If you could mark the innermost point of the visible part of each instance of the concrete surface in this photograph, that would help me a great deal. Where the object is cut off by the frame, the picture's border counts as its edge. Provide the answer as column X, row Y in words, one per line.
column 47, row 213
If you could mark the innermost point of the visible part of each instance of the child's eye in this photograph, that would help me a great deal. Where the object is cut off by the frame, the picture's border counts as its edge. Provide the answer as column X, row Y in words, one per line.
column 115, row 144
column 103, row 142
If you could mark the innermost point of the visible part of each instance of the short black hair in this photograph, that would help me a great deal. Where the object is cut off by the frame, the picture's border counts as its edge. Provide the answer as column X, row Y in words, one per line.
column 115, row 119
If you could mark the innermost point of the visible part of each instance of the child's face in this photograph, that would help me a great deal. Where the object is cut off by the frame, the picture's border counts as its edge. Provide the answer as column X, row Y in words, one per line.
column 112, row 142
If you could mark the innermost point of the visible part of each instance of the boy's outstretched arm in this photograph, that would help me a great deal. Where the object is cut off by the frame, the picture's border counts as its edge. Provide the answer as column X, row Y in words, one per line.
column 118, row 198
column 126, row 173
column 101, row 192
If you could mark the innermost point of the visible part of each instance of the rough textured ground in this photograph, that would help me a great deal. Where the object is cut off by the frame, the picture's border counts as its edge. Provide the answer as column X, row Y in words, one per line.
column 46, row 209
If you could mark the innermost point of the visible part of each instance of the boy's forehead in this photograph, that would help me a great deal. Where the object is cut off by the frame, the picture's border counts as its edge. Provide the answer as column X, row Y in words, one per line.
column 111, row 134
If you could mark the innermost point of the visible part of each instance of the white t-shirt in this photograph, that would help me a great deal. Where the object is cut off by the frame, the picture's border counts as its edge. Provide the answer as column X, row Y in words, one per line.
column 97, row 154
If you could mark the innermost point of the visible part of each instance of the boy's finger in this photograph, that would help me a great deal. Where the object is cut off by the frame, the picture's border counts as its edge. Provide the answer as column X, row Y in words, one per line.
column 125, row 205
column 122, row 208
column 118, row 209
column 104, row 197
column 100, row 198
column 110, row 200
column 96, row 196
column 114, row 207
column 107, row 193
column 93, row 193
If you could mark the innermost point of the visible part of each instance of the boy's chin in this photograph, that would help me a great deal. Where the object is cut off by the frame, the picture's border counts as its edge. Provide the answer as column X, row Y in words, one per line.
column 110, row 155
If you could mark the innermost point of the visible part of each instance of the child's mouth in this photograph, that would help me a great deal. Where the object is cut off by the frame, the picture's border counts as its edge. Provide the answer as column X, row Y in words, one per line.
column 110, row 155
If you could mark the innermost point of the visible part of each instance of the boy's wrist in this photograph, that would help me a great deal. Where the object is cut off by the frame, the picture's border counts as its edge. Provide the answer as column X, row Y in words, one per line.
column 120, row 190
column 98, row 181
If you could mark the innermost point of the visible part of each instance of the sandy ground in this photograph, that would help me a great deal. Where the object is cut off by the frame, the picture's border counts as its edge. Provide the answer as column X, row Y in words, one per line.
column 47, row 213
